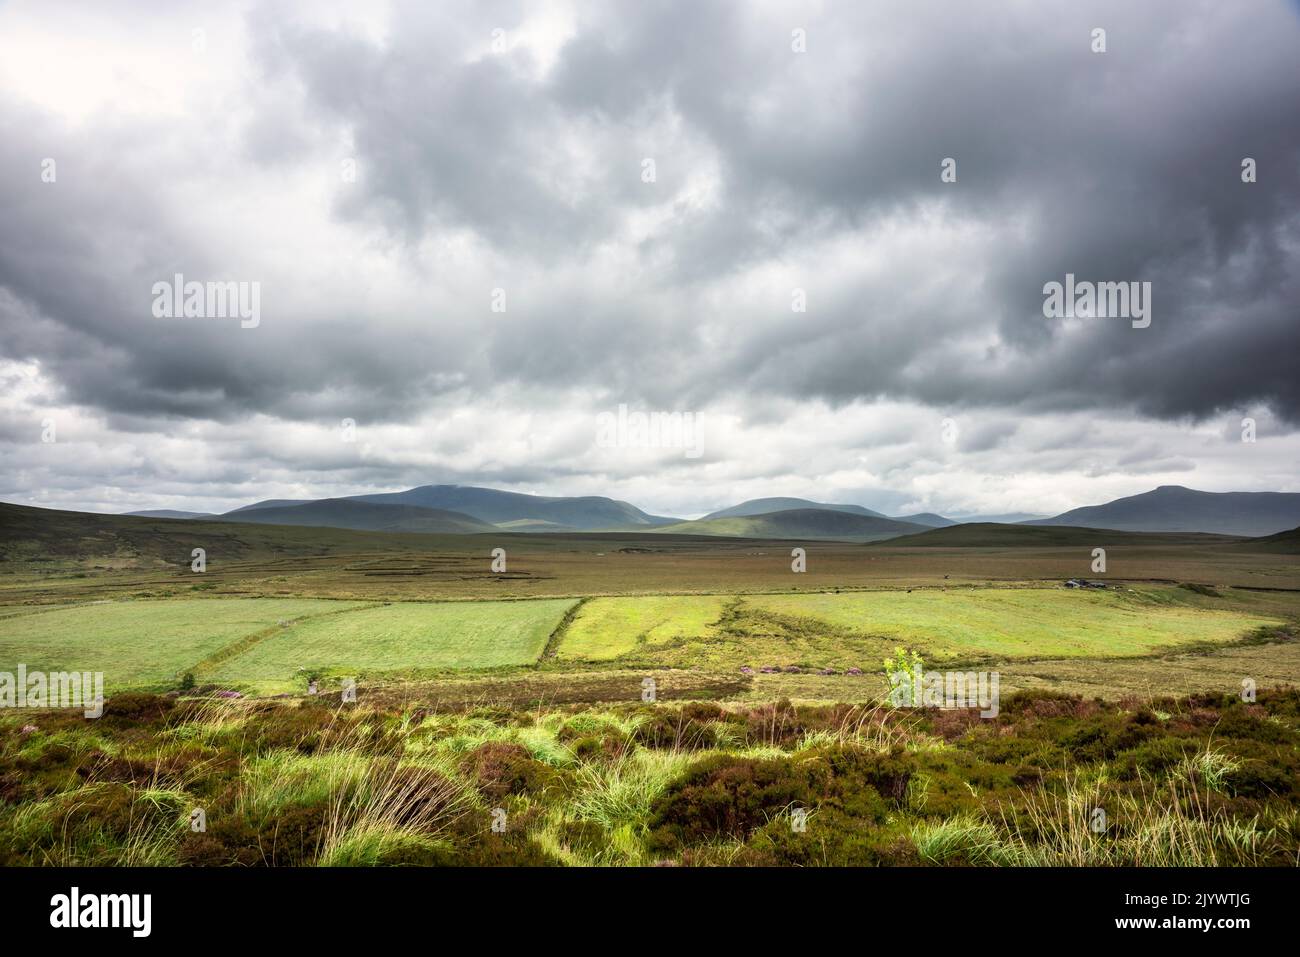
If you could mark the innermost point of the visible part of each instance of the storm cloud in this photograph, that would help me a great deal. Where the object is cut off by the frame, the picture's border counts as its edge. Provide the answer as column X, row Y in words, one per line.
column 796, row 270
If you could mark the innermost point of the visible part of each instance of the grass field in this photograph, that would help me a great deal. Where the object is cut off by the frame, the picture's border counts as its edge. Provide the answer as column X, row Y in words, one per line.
column 1019, row 622
column 535, row 705
column 142, row 643
column 396, row 640
column 242, row 643
column 856, row 629
column 607, row 628
column 50, row 556
column 605, row 602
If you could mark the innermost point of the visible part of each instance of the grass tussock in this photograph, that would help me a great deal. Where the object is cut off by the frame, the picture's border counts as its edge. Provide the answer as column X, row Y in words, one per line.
column 1053, row 779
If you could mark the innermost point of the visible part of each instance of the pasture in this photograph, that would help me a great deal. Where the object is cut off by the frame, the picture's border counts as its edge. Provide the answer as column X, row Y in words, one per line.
column 1011, row 623
column 525, row 693
column 393, row 641
column 142, row 644
column 267, row 645
column 608, row 628
column 857, row 629
column 112, row 594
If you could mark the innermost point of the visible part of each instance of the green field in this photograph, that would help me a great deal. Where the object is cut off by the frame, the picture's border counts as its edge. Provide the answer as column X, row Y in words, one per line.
column 1021, row 622
column 397, row 640
column 607, row 628
column 525, row 692
column 142, row 643
column 116, row 594
column 241, row 643
column 856, row 629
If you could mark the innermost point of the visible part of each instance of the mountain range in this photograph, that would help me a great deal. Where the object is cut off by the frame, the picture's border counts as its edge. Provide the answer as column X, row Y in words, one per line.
column 799, row 523
column 1173, row 508
column 367, row 516
column 462, row 509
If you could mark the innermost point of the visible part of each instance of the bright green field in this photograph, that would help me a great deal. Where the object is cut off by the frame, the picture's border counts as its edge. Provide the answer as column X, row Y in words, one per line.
column 237, row 642
column 607, row 628
column 1020, row 622
column 142, row 643
column 399, row 639
column 856, row 629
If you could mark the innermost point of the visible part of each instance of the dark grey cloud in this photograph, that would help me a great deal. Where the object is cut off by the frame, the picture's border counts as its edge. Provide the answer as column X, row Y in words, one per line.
column 521, row 169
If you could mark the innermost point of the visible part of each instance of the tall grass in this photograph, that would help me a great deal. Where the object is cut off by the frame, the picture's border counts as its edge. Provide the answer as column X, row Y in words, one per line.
column 1170, row 826
column 398, row 803
column 963, row 839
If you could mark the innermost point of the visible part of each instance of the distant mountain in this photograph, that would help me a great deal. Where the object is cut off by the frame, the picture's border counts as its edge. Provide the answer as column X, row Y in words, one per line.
column 1173, row 508
column 800, row 524
column 134, row 541
column 347, row 513
column 926, row 518
column 168, row 513
column 1007, row 518
column 584, row 513
column 766, row 506
column 533, row 525
column 990, row 535
column 1169, row 508
column 272, row 503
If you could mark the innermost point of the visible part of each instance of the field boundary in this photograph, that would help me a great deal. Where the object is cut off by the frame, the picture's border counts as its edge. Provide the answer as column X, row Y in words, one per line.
column 243, row 644
column 552, row 646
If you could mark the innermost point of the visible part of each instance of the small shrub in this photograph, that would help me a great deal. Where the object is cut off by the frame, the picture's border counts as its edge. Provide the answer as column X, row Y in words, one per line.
column 500, row 768
column 138, row 706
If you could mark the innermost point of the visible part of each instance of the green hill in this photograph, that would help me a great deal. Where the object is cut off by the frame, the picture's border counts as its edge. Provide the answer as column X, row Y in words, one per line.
column 929, row 519
column 45, row 537
column 348, row 513
column 797, row 525
column 766, row 506
column 1173, row 508
column 991, row 535
column 543, row 513
column 169, row 513
column 1287, row 543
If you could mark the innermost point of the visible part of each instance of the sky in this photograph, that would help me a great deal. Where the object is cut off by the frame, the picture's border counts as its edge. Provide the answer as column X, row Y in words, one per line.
column 819, row 233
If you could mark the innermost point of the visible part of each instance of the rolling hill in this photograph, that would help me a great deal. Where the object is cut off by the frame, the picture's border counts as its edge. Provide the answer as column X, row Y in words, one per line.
column 272, row 503
column 45, row 537
column 991, row 535
column 797, row 525
column 929, row 519
column 766, row 506
column 366, row 516
column 1169, row 508
column 585, row 513
column 1008, row 518
column 1173, row 508
column 1287, row 543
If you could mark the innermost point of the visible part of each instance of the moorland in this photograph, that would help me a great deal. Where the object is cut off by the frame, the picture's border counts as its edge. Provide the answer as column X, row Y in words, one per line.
column 487, row 694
